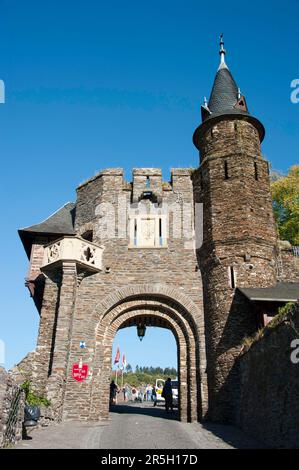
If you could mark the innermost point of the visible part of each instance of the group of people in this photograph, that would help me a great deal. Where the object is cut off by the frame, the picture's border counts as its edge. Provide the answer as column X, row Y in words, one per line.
column 144, row 393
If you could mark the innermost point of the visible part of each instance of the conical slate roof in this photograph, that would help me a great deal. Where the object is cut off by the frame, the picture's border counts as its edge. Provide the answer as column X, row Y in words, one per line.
column 226, row 102
column 224, row 95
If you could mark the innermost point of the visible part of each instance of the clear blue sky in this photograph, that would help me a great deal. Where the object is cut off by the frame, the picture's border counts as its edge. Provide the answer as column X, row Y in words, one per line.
column 91, row 84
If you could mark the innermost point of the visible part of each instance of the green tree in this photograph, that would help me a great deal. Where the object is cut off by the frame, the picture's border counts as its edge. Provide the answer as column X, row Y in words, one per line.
column 285, row 194
column 129, row 368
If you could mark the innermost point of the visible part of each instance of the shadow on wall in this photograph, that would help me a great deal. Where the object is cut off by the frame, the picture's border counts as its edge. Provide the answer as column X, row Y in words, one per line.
column 223, row 367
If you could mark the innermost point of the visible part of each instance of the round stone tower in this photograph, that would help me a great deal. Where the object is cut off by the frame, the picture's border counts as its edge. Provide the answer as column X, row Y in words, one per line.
column 239, row 237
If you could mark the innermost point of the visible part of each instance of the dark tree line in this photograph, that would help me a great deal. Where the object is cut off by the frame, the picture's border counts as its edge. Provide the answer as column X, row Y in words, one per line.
column 152, row 370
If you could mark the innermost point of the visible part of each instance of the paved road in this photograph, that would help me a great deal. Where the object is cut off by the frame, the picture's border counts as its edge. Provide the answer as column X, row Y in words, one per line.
column 138, row 426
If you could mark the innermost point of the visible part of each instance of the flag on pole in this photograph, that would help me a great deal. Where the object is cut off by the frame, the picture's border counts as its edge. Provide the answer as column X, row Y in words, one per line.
column 117, row 356
column 124, row 362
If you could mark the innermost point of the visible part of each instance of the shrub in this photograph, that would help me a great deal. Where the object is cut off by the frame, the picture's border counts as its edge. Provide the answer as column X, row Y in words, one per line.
column 31, row 398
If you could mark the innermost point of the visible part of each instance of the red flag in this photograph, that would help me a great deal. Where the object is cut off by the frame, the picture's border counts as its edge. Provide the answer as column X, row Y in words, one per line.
column 117, row 356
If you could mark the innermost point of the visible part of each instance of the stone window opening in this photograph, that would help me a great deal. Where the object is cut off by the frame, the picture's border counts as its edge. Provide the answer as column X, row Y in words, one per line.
column 256, row 174
column 135, row 232
column 150, row 196
column 160, row 232
column 88, row 235
column 226, row 175
column 201, row 179
column 147, row 183
column 232, row 277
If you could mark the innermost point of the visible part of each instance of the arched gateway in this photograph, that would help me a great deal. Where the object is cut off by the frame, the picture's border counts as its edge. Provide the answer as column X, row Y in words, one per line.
column 154, row 306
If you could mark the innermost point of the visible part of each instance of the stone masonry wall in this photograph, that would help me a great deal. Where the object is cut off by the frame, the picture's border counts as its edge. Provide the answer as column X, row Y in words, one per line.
column 269, row 405
column 240, row 136
column 289, row 269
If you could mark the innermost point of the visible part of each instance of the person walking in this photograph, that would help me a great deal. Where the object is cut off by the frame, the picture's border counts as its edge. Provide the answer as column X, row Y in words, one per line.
column 148, row 393
column 167, row 395
column 154, row 395
column 141, row 394
column 113, row 392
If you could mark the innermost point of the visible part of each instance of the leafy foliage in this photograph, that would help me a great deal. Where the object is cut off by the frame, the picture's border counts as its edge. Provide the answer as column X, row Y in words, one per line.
column 31, row 398
column 286, row 308
column 146, row 375
column 285, row 194
column 139, row 378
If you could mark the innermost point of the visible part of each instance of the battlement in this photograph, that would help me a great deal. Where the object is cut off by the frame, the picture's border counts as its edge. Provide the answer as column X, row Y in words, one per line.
column 141, row 177
column 105, row 172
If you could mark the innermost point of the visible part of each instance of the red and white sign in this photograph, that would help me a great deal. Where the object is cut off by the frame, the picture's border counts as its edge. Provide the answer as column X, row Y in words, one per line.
column 80, row 372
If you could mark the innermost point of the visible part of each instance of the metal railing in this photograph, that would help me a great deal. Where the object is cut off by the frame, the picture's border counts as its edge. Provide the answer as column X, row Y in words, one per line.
column 13, row 417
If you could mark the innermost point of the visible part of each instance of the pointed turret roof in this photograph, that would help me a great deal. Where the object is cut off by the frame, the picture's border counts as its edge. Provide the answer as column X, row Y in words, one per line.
column 226, row 100
column 225, row 96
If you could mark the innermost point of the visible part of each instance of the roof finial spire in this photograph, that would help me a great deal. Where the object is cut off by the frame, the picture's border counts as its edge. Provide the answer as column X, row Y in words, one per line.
column 222, row 53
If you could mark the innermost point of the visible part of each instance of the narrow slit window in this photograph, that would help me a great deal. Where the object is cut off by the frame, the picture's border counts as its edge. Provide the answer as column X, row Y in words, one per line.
column 147, row 184
column 226, row 176
column 256, row 174
column 160, row 232
column 232, row 276
column 135, row 232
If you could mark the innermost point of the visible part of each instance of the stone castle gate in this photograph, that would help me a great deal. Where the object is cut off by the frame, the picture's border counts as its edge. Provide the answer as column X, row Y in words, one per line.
column 87, row 285
column 129, row 252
